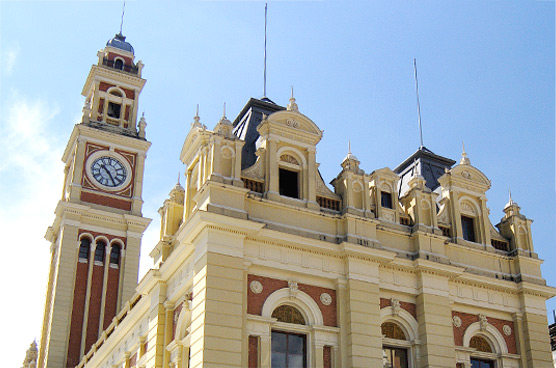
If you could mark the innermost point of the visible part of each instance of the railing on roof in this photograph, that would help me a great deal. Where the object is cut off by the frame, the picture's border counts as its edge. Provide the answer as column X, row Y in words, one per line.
column 253, row 185
column 500, row 245
column 328, row 203
column 125, row 67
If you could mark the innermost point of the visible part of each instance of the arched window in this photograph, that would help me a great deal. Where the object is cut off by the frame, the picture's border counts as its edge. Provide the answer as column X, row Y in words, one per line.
column 115, row 255
column 288, row 176
column 99, row 251
column 84, row 249
column 481, row 344
column 393, row 356
column 288, row 314
column 119, row 64
column 288, row 349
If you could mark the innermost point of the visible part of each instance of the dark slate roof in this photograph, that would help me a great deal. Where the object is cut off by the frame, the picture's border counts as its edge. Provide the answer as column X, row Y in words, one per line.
column 246, row 123
column 425, row 163
column 118, row 42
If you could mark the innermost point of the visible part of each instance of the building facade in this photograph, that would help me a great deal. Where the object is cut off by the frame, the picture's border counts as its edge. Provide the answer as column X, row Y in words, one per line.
column 260, row 264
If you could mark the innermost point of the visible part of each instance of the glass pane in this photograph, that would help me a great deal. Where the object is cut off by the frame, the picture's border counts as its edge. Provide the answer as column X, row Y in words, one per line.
column 400, row 358
column 279, row 343
column 296, row 344
column 386, row 358
column 295, row 361
column 278, row 360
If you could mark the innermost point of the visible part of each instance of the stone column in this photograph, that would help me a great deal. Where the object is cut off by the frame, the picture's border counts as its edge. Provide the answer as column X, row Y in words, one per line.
column 360, row 317
column 217, row 328
column 434, row 316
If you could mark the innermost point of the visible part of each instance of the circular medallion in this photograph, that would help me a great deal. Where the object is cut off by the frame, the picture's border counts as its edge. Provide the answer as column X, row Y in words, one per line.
column 108, row 171
column 456, row 321
column 507, row 330
column 325, row 299
column 256, row 287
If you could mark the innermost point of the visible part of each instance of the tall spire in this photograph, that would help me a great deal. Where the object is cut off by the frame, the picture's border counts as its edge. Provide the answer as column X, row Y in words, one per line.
column 418, row 103
column 122, row 21
column 264, row 77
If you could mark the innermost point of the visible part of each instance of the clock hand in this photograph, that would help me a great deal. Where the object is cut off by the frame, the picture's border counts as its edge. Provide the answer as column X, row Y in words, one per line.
column 108, row 172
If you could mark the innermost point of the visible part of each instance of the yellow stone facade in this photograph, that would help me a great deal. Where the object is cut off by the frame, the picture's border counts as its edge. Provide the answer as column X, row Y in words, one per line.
column 370, row 269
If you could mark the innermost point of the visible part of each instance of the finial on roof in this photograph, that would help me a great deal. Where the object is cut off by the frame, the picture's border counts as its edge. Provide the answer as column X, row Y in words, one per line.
column 349, row 146
column 143, row 114
column 196, row 119
column 179, row 178
column 224, row 111
column 464, row 159
column 292, row 106
column 511, row 208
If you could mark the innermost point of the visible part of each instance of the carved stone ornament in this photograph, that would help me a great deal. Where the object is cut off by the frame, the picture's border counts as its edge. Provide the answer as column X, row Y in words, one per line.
column 256, row 287
column 289, row 159
column 325, row 299
column 483, row 322
column 466, row 174
column 507, row 330
column 456, row 321
column 396, row 306
column 292, row 123
column 293, row 288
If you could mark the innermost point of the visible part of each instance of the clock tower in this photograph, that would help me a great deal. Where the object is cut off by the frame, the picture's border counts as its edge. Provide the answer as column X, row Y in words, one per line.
column 96, row 235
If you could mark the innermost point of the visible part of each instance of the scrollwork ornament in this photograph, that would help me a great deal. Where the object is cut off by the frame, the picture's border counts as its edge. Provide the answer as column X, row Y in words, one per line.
column 256, row 287
column 507, row 330
column 325, row 299
column 456, row 320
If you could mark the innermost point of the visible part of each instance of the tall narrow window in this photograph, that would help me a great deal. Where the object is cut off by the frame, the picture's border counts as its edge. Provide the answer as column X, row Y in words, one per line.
column 392, row 356
column 115, row 255
column 119, row 64
column 114, row 110
column 99, row 251
column 84, row 248
column 468, row 228
column 386, row 199
column 289, row 183
column 288, row 350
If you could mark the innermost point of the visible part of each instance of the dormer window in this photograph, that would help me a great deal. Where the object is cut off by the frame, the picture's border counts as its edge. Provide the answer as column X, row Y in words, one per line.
column 386, row 199
column 289, row 183
column 468, row 228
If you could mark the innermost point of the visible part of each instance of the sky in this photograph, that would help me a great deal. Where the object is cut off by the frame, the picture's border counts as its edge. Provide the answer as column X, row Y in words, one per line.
column 486, row 77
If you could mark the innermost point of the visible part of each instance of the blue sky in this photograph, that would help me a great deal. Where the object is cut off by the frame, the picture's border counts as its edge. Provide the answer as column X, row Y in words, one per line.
column 486, row 77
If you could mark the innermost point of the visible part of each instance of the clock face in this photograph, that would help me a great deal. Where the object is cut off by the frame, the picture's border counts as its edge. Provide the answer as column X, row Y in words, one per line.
column 108, row 171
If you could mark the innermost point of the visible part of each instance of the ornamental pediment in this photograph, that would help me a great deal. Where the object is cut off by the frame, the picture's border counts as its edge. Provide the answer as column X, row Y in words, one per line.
column 291, row 123
column 467, row 176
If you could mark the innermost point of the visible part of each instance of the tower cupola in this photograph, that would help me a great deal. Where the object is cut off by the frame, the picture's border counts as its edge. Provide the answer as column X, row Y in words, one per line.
column 112, row 89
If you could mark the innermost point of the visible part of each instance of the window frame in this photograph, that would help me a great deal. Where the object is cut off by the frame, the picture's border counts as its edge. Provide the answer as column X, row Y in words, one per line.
column 472, row 221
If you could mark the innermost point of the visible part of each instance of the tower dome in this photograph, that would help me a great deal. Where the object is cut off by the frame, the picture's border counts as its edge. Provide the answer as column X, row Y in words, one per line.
column 119, row 42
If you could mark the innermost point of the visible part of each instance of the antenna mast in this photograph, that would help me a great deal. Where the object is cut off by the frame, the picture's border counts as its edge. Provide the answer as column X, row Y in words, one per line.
column 264, row 87
column 418, row 104
column 122, row 22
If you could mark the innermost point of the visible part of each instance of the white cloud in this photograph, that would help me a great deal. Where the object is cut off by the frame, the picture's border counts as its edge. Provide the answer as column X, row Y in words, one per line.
column 10, row 58
column 31, row 176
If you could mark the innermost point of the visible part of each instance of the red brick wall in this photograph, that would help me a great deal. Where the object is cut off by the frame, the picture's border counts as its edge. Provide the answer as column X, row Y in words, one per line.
column 112, row 56
column 409, row 307
column 76, row 327
column 94, row 306
column 253, row 352
column 110, row 304
column 467, row 319
column 103, row 86
column 255, row 301
column 121, row 204
column 327, row 357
